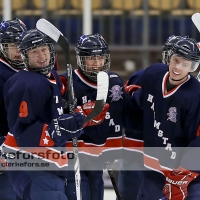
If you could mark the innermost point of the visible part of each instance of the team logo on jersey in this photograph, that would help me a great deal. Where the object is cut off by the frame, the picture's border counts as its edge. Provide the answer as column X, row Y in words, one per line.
column 172, row 114
column 116, row 93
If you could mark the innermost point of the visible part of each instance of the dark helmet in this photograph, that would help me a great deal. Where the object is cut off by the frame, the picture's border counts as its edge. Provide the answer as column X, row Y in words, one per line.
column 32, row 39
column 187, row 48
column 168, row 45
column 92, row 47
column 9, row 34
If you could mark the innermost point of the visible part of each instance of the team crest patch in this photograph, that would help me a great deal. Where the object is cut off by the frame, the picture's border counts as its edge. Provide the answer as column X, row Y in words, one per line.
column 172, row 114
column 116, row 93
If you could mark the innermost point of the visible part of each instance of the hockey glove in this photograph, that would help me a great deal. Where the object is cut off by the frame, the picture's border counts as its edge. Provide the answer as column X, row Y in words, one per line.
column 65, row 127
column 130, row 89
column 87, row 108
column 177, row 182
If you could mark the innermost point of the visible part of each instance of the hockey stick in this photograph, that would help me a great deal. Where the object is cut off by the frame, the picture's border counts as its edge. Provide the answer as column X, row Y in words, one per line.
column 102, row 89
column 112, row 178
column 196, row 20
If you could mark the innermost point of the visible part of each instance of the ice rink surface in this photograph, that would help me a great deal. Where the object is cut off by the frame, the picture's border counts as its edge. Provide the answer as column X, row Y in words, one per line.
column 109, row 194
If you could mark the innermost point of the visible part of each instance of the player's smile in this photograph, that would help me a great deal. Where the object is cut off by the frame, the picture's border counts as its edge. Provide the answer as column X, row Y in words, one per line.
column 96, row 68
column 176, row 72
column 42, row 63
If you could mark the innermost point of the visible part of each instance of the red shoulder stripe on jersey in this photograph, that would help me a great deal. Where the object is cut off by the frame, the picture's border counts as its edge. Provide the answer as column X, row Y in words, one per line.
column 47, row 154
column 94, row 149
column 83, row 79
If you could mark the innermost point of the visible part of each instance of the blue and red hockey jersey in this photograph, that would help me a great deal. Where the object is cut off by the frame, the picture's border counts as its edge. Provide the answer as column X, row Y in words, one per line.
column 32, row 102
column 170, row 119
column 106, row 136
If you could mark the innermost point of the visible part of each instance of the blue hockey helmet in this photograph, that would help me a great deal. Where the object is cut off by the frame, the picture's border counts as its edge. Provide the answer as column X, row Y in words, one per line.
column 32, row 39
column 168, row 45
column 92, row 47
column 187, row 48
column 10, row 31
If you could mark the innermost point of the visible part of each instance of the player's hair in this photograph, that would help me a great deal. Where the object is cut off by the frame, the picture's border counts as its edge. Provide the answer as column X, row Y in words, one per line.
column 187, row 48
column 91, row 47
column 32, row 39
column 10, row 31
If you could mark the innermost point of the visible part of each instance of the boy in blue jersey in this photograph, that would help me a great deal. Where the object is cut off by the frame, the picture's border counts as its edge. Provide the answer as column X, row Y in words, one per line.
column 170, row 101
column 93, row 56
column 130, row 174
column 35, row 118
column 10, row 63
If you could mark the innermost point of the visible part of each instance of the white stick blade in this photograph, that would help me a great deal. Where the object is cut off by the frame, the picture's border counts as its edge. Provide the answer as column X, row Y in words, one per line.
column 196, row 20
column 102, row 86
column 49, row 29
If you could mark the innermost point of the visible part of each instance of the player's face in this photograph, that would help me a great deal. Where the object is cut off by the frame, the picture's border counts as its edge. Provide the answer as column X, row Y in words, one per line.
column 13, row 52
column 179, row 68
column 39, row 56
column 94, row 63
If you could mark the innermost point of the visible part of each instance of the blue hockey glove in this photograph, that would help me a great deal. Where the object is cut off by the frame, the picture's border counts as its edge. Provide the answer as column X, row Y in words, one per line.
column 65, row 127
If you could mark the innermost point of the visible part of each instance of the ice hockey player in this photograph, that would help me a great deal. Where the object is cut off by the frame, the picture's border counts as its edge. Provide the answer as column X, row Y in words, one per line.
column 35, row 118
column 93, row 55
column 10, row 63
column 170, row 100
column 131, row 175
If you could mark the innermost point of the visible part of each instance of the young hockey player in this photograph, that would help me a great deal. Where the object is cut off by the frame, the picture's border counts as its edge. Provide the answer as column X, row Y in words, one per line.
column 10, row 63
column 170, row 100
column 129, row 180
column 35, row 118
column 93, row 56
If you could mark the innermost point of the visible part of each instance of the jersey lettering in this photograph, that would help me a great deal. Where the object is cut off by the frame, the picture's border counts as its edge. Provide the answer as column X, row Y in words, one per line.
column 107, row 115
column 152, row 107
column 60, row 111
column 160, row 133
column 57, row 128
column 150, row 98
column 111, row 123
column 56, row 99
column 117, row 128
column 156, row 124
column 23, row 109
column 173, row 156
column 168, row 147
column 164, row 140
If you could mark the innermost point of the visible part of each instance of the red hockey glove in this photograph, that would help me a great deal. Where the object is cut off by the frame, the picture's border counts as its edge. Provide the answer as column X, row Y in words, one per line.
column 87, row 108
column 131, row 88
column 177, row 182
